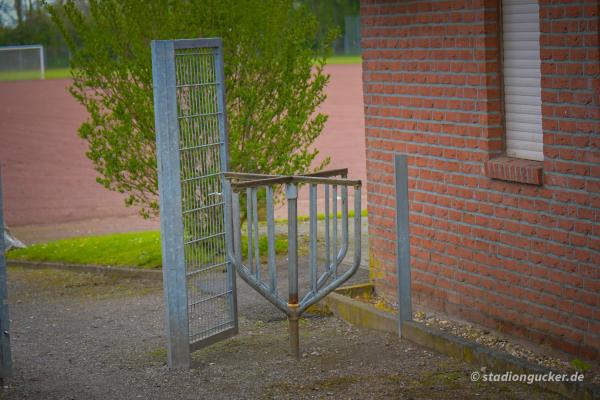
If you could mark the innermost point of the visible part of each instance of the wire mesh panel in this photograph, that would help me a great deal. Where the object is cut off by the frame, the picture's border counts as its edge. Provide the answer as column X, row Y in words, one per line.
column 199, row 113
column 192, row 150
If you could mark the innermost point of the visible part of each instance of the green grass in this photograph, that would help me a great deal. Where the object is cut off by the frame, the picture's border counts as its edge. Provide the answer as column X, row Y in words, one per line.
column 58, row 73
column 64, row 73
column 344, row 60
column 281, row 245
column 137, row 250
column 54, row 73
column 321, row 216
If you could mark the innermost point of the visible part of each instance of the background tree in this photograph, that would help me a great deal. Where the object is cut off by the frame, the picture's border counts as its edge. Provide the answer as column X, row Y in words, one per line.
column 331, row 14
column 274, row 81
column 6, row 17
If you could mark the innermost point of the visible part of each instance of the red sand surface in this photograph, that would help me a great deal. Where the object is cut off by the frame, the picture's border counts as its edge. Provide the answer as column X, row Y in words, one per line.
column 47, row 178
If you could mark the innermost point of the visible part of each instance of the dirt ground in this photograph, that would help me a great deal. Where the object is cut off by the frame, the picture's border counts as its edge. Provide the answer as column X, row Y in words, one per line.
column 80, row 336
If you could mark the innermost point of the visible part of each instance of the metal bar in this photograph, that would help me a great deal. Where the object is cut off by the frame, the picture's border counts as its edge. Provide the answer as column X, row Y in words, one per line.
column 271, row 240
column 330, row 181
column 214, row 296
column 224, row 158
column 294, row 330
column 292, row 197
column 328, row 173
column 344, row 213
column 343, row 172
column 42, row 63
column 313, row 237
column 25, row 47
column 327, row 239
column 344, row 248
column 249, row 228
column 205, row 269
column 167, row 143
column 256, row 238
column 191, row 54
column 215, row 328
column 319, row 286
column 196, row 43
column 355, row 263
column 357, row 226
column 335, row 231
column 402, row 240
column 196, row 178
column 237, row 243
column 202, row 239
column 345, row 237
column 198, row 115
column 203, row 207
column 261, row 287
column 5, row 351
column 201, row 146
column 198, row 84
column 293, row 179
column 261, row 182
column 215, row 337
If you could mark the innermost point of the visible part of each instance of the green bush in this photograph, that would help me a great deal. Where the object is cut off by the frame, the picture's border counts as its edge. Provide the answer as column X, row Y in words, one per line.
column 274, row 81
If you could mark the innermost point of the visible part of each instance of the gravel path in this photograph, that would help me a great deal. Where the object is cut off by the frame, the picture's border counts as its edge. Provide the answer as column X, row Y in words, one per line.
column 80, row 336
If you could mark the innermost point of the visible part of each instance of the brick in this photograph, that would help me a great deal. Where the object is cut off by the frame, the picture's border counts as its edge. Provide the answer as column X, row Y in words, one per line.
column 505, row 243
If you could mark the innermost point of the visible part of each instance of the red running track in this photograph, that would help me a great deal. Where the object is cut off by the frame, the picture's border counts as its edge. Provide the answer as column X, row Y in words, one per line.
column 47, row 178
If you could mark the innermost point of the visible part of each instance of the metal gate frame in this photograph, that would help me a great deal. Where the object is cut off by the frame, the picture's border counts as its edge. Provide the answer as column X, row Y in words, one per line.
column 5, row 352
column 167, row 119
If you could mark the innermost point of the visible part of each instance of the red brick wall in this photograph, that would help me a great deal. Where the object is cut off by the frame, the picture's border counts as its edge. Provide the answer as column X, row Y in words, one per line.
column 517, row 257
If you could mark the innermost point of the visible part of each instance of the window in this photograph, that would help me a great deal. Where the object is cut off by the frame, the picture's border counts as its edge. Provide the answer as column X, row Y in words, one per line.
column 522, row 79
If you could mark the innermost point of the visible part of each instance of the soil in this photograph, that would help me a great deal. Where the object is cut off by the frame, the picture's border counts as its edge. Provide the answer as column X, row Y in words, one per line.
column 81, row 336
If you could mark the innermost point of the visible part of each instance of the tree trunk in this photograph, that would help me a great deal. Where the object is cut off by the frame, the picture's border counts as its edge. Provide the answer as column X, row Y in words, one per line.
column 19, row 11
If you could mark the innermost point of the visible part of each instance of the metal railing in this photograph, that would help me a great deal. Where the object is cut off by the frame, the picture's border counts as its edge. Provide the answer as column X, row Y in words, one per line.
column 322, row 279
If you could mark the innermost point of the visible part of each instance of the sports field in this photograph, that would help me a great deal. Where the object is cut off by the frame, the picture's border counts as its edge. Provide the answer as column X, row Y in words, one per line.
column 65, row 73
column 47, row 179
column 54, row 73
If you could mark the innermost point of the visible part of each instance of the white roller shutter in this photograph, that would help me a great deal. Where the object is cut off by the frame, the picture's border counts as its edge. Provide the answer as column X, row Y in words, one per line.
column 522, row 79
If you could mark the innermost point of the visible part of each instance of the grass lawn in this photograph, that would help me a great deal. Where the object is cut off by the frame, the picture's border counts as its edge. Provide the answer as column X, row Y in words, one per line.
column 137, row 250
column 64, row 73
column 321, row 216
column 55, row 73
column 344, row 60
column 58, row 73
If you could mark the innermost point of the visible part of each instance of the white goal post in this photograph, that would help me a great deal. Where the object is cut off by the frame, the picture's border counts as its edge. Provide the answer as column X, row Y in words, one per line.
column 23, row 60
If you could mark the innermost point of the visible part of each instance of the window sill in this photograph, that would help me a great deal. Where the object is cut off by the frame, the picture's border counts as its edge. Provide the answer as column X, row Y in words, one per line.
column 515, row 170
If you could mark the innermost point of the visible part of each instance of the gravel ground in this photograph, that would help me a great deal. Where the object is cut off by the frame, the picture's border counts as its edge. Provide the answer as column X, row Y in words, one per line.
column 81, row 336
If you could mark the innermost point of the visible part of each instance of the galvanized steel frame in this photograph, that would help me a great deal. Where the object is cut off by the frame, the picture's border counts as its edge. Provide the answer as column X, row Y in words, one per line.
column 169, row 148
column 5, row 351
column 319, row 284
column 402, row 240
